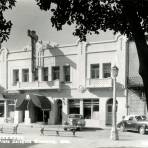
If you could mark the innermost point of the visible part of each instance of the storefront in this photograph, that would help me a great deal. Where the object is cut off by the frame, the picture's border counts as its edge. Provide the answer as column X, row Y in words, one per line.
column 89, row 108
column 28, row 108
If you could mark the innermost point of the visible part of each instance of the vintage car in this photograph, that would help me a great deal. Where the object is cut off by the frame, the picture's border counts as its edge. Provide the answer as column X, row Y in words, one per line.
column 137, row 123
column 74, row 121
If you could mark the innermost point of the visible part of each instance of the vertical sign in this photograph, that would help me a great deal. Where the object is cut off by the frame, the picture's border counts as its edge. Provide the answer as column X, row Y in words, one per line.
column 34, row 39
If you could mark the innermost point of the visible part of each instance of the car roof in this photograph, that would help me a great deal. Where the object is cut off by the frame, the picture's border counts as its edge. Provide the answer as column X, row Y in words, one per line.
column 132, row 115
column 74, row 114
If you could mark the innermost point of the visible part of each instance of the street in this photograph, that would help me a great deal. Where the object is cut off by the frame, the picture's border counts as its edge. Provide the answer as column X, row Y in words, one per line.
column 30, row 138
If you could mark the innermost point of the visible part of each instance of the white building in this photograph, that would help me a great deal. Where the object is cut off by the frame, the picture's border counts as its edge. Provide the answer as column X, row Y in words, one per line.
column 74, row 78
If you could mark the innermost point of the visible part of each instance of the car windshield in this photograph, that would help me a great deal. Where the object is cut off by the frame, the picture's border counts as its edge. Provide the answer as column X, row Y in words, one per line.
column 75, row 116
column 140, row 118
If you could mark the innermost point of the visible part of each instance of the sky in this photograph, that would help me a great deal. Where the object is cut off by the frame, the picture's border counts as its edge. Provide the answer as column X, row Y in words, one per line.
column 27, row 15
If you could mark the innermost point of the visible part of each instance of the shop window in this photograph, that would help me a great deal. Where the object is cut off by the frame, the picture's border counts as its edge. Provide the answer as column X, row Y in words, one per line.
column 1, row 108
column 15, row 76
column 94, row 71
column 25, row 75
column 91, row 107
column 45, row 73
column 74, row 106
column 55, row 73
column 66, row 70
column 106, row 70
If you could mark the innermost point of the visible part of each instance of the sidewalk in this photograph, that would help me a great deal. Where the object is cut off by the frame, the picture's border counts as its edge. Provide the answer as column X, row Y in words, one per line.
column 88, row 138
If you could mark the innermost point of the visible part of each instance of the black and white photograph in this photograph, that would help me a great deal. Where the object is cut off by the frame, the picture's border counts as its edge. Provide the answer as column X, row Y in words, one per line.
column 74, row 73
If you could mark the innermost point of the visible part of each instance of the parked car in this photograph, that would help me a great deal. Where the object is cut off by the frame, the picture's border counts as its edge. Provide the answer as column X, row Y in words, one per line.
column 74, row 121
column 137, row 123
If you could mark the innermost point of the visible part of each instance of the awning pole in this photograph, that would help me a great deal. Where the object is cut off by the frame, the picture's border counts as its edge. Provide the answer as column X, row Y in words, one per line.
column 28, row 105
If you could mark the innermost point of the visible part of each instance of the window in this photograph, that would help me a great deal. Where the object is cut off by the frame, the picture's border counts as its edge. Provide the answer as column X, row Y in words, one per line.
column 74, row 106
column 45, row 73
column 66, row 70
column 94, row 71
column 25, row 74
column 106, row 70
column 15, row 76
column 55, row 73
column 36, row 75
column 91, row 108
column 1, row 108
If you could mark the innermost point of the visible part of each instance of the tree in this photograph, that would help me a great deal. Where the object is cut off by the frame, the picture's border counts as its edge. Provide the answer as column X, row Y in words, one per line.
column 129, row 17
column 5, row 26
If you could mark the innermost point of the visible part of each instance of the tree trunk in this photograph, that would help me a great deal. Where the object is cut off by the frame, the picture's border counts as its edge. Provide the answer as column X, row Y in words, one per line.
column 141, row 45
column 140, row 40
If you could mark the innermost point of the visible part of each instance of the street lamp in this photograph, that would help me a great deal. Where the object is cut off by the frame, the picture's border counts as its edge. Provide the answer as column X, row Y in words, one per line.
column 114, row 131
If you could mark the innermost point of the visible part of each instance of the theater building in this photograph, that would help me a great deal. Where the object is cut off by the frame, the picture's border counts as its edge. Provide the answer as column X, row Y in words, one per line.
column 68, row 79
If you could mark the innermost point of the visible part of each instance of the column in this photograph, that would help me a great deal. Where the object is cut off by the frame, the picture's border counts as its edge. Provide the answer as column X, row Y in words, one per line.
column 20, row 75
column 40, row 74
column 82, row 63
column 81, row 107
column 5, row 109
column 30, row 75
column 65, row 110
column 50, row 73
column 27, row 118
column 101, row 70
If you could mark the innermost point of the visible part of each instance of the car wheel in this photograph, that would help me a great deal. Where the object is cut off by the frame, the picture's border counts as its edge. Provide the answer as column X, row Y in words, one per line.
column 122, row 128
column 142, row 130
column 79, row 129
column 65, row 129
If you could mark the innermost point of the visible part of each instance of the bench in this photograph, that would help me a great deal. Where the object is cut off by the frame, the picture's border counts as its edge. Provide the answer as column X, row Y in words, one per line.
column 9, row 128
column 56, row 131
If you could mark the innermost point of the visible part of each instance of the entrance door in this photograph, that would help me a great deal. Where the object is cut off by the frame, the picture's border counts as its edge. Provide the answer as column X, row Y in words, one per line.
column 59, row 112
column 38, row 114
column 109, row 114
column 109, row 107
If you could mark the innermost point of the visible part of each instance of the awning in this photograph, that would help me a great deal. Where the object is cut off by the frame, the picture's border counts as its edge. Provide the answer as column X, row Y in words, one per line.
column 25, row 100
column 11, row 96
column 135, row 81
column 1, row 97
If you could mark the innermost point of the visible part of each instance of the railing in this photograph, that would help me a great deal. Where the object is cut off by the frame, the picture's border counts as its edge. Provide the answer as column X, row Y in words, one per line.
column 99, row 83
column 37, row 85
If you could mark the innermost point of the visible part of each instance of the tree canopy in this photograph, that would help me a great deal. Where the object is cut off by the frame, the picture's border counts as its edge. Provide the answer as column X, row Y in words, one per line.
column 91, row 16
column 5, row 26
column 129, row 17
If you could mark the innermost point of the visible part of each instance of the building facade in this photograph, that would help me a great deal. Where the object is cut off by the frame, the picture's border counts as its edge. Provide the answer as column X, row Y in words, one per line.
column 73, row 78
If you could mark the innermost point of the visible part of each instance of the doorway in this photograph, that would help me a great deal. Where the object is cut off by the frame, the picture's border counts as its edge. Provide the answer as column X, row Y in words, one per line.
column 59, row 111
column 38, row 114
column 109, row 106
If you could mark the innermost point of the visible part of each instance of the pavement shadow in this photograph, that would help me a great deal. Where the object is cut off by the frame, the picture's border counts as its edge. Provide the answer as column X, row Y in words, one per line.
column 60, row 135
column 146, row 133
column 91, row 129
column 17, row 145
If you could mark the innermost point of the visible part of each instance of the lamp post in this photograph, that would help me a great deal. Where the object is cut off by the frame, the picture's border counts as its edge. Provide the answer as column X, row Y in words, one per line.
column 114, row 131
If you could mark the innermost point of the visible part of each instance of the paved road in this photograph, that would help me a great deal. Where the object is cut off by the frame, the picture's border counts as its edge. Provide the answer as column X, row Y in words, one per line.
column 89, row 138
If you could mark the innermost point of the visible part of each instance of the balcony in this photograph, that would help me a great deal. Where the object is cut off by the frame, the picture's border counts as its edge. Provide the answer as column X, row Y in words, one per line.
column 36, row 85
column 99, row 83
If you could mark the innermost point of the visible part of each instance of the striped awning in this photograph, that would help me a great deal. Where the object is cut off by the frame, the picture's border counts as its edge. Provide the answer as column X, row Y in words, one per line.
column 26, row 100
